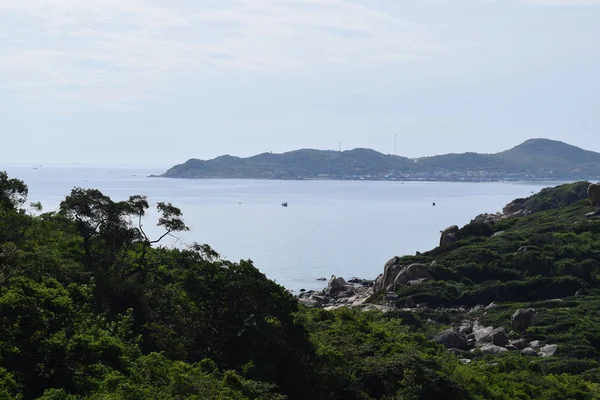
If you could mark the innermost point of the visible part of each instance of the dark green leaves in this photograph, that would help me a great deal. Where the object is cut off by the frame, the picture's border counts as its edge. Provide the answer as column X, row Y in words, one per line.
column 13, row 192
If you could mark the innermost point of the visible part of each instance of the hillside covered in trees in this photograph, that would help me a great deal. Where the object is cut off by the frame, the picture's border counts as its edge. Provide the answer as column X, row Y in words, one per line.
column 532, row 159
column 93, row 308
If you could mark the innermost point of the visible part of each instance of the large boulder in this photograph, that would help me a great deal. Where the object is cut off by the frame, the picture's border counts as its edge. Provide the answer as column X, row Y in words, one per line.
column 493, row 349
column 548, row 351
column 449, row 235
column 499, row 337
column 521, row 319
column 483, row 333
column 514, row 208
column 594, row 194
column 411, row 273
column 336, row 285
column 390, row 273
column 452, row 339
column 528, row 351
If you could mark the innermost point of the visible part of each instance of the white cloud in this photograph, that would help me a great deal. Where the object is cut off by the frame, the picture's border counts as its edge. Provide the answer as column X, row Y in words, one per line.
column 130, row 44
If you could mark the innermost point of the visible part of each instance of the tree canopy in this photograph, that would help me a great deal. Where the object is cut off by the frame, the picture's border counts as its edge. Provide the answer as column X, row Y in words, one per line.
column 93, row 308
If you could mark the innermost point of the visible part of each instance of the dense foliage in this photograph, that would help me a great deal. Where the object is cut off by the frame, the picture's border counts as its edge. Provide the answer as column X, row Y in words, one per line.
column 548, row 260
column 93, row 308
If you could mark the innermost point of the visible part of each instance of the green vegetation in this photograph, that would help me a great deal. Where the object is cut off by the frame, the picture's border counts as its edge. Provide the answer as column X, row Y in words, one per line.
column 293, row 165
column 536, row 158
column 93, row 308
column 548, row 260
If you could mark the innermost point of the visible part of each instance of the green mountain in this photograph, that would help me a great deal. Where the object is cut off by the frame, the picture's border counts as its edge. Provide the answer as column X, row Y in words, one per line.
column 93, row 308
column 533, row 159
column 304, row 163
column 541, row 156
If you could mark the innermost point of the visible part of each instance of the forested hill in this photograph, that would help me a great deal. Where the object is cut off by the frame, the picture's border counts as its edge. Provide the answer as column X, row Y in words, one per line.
column 93, row 308
column 533, row 159
column 299, row 164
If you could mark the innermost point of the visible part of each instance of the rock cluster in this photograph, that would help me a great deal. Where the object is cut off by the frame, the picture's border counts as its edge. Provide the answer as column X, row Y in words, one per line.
column 471, row 335
column 339, row 293
column 487, row 218
column 515, row 208
column 395, row 275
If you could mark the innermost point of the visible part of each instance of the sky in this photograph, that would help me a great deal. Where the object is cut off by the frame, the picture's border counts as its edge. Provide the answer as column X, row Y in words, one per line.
column 161, row 81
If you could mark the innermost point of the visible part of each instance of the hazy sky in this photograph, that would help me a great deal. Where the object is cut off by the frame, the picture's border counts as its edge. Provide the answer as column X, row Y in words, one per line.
column 161, row 81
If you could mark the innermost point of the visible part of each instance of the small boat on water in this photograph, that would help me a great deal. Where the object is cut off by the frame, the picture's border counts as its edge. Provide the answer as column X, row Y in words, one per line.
column 284, row 204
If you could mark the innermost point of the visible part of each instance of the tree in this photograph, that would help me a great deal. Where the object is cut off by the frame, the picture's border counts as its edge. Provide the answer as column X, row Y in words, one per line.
column 13, row 192
column 98, row 216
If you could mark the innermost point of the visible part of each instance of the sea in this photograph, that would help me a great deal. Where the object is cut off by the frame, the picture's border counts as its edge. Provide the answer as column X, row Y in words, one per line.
column 343, row 228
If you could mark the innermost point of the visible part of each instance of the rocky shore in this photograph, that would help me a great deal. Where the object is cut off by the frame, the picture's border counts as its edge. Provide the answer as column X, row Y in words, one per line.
column 467, row 336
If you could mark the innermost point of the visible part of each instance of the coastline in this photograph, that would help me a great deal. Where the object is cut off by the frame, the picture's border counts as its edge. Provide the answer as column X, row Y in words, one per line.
column 524, row 180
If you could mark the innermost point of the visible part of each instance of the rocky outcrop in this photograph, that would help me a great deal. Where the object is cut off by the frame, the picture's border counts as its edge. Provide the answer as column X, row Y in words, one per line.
column 336, row 285
column 487, row 218
column 521, row 319
column 449, row 235
column 452, row 339
column 340, row 293
column 413, row 273
column 395, row 274
column 514, row 208
column 489, row 340
column 378, row 284
column 594, row 194
column 390, row 272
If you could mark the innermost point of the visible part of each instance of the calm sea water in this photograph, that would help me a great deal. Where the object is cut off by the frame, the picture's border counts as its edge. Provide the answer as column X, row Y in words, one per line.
column 330, row 228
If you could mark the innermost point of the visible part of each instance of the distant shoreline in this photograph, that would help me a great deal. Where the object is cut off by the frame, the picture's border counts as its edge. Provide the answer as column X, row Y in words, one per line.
column 546, row 180
column 535, row 160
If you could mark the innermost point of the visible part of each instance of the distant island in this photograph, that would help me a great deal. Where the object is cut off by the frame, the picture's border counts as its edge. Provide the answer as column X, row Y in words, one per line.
column 535, row 159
